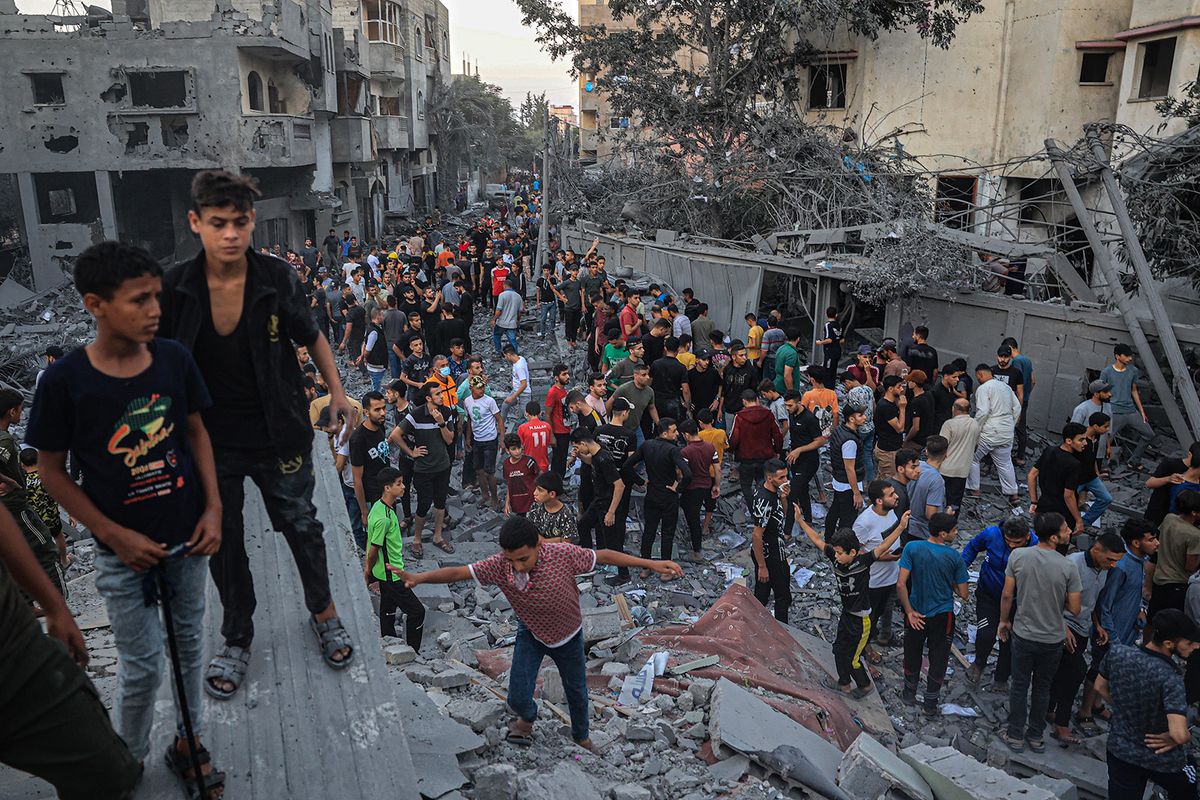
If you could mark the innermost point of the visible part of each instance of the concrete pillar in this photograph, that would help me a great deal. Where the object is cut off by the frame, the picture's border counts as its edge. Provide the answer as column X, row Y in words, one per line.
column 45, row 273
column 323, row 145
column 108, row 211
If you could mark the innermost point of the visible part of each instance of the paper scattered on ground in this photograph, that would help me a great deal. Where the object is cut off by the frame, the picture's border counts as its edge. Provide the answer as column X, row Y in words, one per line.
column 952, row 710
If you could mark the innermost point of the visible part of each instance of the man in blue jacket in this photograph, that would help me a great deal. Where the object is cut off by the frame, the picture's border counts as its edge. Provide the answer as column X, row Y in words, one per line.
column 996, row 542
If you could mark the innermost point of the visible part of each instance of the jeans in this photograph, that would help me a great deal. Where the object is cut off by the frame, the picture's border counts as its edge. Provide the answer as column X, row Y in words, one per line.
column 527, row 660
column 987, row 619
column 140, row 639
column 356, row 523
column 287, row 490
column 778, row 580
column 376, row 377
column 514, row 412
column 1101, row 500
column 868, row 448
column 1129, row 780
column 883, row 603
column 661, row 505
column 801, row 475
column 1144, row 432
column 571, row 319
column 1032, row 663
column 955, row 488
column 547, row 317
column 508, row 333
column 394, row 364
column 1021, row 433
column 938, row 633
column 1002, row 458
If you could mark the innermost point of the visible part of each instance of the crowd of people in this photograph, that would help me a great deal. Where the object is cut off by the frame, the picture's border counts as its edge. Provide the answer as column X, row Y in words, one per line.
column 881, row 444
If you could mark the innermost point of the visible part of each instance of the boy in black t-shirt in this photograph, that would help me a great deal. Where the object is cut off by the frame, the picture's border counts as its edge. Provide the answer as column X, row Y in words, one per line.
column 852, row 570
column 1054, row 480
column 128, row 406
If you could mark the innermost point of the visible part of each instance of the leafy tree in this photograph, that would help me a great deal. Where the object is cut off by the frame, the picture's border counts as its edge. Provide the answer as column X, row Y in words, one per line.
column 1161, row 184
column 533, row 110
column 717, row 143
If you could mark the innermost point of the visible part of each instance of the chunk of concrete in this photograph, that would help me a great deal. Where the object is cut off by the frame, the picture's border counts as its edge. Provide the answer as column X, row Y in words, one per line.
column 552, row 686
column 730, row 769
column 954, row 776
column 630, row 791
column 601, row 623
column 869, row 769
column 567, row 780
column 1061, row 788
column 399, row 654
column 476, row 715
column 495, row 782
column 1089, row 775
column 744, row 723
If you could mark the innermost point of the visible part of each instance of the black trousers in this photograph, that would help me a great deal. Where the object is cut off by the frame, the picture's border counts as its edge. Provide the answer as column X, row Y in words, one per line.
column 431, row 490
column 586, row 490
column 778, row 581
column 937, row 634
column 571, row 321
column 883, row 603
column 987, row 618
column 693, row 504
column 287, row 490
column 562, row 449
column 1129, row 780
column 1166, row 595
column 955, row 489
column 841, row 512
column 1072, row 668
column 801, row 475
column 660, row 507
column 852, row 635
column 394, row 595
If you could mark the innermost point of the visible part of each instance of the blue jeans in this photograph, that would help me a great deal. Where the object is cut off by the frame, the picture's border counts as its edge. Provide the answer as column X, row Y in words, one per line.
column 548, row 318
column 140, row 635
column 527, row 660
column 394, row 363
column 356, row 523
column 514, row 411
column 868, row 446
column 508, row 333
column 376, row 378
column 1101, row 500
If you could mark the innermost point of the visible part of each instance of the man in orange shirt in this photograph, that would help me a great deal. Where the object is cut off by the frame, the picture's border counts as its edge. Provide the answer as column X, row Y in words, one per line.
column 535, row 434
column 821, row 401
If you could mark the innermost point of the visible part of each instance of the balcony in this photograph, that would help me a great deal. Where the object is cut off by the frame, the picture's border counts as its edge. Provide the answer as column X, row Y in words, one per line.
column 387, row 60
column 391, row 132
column 350, row 52
column 352, row 140
column 277, row 140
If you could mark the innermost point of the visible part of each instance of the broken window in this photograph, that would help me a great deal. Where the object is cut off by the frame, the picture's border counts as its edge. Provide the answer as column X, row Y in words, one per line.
column 1094, row 68
column 418, row 41
column 1157, row 58
column 254, row 91
column 420, row 104
column 174, row 131
column 66, row 197
column 955, row 202
column 384, row 21
column 389, row 106
column 158, row 89
column 137, row 134
column 827, row 86
column 47, row 89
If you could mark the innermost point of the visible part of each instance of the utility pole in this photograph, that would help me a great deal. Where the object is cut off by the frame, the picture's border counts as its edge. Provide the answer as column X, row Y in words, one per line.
column 544, row 228
column 1158, row 313
column 1123, row 303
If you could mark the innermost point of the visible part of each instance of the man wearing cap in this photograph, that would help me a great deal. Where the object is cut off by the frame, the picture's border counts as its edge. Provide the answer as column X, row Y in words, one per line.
column 1145, row 691
column 52, row 353
column 862, row 369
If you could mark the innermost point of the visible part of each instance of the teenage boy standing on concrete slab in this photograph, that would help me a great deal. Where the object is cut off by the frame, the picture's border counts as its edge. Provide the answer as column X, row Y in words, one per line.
column 538, row 579
column 241, row 313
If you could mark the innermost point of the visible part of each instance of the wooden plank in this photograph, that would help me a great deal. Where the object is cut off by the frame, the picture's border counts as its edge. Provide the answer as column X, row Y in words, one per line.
column 622, row 607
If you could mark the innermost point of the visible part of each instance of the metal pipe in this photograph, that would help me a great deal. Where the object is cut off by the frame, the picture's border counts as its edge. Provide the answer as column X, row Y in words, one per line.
column 1119, row 297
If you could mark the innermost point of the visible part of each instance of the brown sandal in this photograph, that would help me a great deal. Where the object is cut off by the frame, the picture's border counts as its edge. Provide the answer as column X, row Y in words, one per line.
column 443, row 545
column 415, row 549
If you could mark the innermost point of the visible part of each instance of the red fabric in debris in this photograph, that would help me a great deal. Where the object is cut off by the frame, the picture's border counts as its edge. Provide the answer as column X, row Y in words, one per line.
column 756, row 650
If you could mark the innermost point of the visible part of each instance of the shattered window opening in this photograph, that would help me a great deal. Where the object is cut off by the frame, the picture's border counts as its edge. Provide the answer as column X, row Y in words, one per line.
column 827, row 86
column 47, row 89
column 66, row 197
column 1157, row 59
column 158, row 89
column 254, row 91
column 1094, row 68
column 955, row 201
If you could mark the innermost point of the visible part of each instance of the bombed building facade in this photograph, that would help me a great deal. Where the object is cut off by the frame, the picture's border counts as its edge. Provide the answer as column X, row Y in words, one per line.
column 330, row 118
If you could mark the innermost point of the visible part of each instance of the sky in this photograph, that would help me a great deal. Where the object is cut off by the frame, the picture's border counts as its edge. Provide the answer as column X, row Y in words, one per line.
column 486, row 31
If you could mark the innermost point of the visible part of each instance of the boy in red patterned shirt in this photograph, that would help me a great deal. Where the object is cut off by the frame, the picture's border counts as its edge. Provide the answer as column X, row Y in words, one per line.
column 539, row 581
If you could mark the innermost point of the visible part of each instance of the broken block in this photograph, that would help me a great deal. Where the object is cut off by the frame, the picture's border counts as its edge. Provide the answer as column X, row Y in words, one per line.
column 954, row 776
column 478, row 716
column 630, row 791
column 869, row 769
column 567, row 780
column 495, row 782
column 601, row 623
column 397, row 654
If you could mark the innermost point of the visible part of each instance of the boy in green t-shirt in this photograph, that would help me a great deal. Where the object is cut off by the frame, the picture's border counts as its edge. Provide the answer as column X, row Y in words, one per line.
column 385, row 548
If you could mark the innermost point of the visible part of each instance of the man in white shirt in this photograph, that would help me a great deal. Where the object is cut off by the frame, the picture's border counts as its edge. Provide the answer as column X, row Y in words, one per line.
column 1097, row 402
column 871, row 527
column 996, row 410
column 522, row 392
column 962, row 432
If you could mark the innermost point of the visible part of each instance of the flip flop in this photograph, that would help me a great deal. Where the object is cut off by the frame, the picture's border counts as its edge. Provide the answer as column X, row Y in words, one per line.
column 1065, row 739
column 415, row 549
column 444, row 545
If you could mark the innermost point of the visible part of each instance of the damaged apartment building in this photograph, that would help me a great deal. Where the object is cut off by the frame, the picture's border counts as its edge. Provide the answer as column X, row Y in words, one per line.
column 107, row 116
